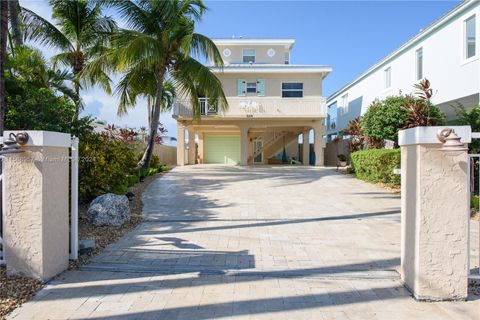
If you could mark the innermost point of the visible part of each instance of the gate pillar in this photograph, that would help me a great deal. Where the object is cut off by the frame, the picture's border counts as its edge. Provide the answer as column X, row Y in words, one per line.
column 435, row 202
column 36, row 206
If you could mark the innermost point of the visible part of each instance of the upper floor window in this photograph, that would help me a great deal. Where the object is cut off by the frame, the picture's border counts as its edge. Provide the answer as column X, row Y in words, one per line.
column 287, row 57
column 387, row 73
column 344, row 104
column 292, row 90
column 419, row 64
column 248, row 55
column 252, row 87
column 470, row 37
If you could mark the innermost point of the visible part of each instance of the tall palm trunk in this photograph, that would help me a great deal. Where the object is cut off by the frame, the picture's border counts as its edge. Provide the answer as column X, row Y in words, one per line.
column 13, row 6
column 154, row 122
column 3, row 56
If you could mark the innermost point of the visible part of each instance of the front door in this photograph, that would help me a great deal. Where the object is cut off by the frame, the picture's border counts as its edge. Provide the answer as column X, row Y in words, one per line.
column 258, row 145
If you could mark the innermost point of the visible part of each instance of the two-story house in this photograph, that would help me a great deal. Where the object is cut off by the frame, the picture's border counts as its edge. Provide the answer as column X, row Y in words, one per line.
column 271, row 102
column 446, row 53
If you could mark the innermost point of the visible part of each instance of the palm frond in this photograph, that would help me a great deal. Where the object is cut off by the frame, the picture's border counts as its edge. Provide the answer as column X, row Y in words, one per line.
column 41, row 31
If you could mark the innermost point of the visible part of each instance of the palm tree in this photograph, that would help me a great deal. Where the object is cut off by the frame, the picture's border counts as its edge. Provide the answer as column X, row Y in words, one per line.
column 3, row 57
column 13, row 7
column 29, row 65
column 83, row 33
column 162, row 41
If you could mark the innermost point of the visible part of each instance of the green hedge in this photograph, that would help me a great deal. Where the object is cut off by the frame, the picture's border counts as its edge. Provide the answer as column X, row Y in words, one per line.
column 376, row 165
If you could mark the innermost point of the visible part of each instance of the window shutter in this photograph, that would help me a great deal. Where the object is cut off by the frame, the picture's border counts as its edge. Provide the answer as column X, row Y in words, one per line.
column 261, row 87
column 241, row 87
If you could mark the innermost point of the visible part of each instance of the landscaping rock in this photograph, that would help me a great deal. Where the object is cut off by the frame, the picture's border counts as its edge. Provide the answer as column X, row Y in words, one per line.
column 109, row 210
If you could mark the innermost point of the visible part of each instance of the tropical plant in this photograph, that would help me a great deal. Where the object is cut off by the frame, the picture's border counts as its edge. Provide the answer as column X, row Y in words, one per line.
column 377, row 165
column 29, row 65
column 420, row 111
column 354, row 130
column 384, row 119
column 469, row 117
column 105, row 165
column 83, row 33
column 161, row 43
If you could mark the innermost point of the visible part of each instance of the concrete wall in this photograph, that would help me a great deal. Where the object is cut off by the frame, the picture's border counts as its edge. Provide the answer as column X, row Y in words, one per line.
column 452, row 77
column 332, row 150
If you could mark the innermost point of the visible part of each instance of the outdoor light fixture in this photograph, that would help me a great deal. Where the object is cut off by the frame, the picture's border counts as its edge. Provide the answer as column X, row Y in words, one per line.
column 451, row 141
column 14, row 142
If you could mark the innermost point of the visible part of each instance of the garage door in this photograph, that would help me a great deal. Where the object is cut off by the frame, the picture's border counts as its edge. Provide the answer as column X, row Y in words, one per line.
column 222, row 149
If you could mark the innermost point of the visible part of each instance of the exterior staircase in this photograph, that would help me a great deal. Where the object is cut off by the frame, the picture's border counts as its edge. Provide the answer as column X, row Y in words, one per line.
column 267, row 144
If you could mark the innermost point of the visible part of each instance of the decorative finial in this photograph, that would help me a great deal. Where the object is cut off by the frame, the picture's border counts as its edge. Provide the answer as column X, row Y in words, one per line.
column 451, row 141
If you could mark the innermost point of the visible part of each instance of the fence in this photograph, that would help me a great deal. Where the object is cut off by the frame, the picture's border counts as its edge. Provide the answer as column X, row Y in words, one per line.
column 474, row 217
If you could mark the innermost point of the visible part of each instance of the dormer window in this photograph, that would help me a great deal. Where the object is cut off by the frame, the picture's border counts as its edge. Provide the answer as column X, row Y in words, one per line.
column 248, row 55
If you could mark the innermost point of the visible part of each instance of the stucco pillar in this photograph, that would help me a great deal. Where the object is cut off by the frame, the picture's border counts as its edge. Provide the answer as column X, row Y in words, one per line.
column 180, row 144
column 36, row 202
column 318, row 143
column 243, row 145
column 191, row 146
column 200, row 147
column 306, row 147
column 435, row 211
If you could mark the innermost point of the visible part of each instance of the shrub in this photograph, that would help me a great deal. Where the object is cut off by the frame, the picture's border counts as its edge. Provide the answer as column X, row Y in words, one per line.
column 155, row 162
column 376, row 165
column 384, row 119
column 104, row 166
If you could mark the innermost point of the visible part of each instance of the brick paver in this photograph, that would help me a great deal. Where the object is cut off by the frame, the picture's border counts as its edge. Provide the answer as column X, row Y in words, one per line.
column 249, row 243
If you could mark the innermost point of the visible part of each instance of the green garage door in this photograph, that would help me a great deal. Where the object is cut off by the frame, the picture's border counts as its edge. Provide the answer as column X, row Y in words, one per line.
column 222, row 149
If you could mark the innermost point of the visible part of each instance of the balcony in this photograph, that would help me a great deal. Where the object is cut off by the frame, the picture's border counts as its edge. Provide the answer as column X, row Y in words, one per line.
column 256, row 107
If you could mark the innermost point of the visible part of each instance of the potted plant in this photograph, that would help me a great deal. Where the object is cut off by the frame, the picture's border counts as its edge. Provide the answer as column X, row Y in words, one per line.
column 342, row 159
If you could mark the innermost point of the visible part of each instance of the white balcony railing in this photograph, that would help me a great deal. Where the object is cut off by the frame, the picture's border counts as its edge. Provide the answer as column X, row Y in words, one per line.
column 256, row 107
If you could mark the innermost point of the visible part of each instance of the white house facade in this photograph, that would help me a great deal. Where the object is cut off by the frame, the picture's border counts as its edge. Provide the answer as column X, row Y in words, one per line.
column 446, row 53
column 271, row 102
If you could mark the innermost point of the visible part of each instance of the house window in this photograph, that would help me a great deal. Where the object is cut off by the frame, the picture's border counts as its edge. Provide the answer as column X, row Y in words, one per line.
column 344, row 104
column 419, row 63
column 470, row 38
column 287, row 57
column 388, row 77
column 292, row 90
column 248, row 55
column 251, row 87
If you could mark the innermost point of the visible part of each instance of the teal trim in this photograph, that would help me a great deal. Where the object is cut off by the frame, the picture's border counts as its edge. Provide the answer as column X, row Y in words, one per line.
column 241, row 87
column 261, row 87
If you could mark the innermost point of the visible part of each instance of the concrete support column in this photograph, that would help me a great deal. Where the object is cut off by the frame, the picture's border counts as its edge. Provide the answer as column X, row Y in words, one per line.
column 192, row 150
column 200, row 146
column 180, row 144
column 306, row 147
column 244, row 145
column 36, row 203
column 435, row 211
column 318, row 143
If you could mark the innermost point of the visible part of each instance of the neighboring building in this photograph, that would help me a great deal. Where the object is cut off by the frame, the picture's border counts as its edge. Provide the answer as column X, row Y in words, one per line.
column 446, row 53
column 270, row 103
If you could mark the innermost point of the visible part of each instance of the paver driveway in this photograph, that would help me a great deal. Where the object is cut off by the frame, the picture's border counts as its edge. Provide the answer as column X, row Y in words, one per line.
column 250, row 243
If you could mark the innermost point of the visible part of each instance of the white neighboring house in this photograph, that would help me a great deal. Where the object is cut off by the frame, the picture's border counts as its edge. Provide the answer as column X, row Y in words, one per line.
column 446, row 53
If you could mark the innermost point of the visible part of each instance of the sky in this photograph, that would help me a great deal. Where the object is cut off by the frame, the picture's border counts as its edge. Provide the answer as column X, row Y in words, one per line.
column 349, row 36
